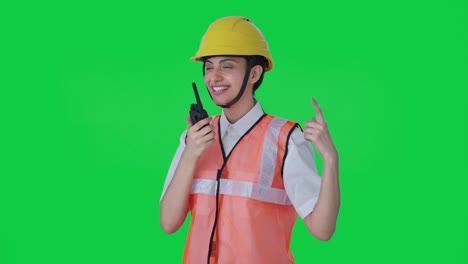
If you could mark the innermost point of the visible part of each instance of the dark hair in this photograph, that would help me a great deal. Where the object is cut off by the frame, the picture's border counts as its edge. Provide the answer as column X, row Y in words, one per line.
column 258, row 60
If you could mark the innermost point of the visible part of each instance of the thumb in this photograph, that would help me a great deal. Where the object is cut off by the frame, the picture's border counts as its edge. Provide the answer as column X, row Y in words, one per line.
column 189, row 122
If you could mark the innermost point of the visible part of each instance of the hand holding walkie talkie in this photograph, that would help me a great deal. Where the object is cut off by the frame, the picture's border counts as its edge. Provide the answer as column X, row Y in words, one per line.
column 197, row 112
column 201, row 136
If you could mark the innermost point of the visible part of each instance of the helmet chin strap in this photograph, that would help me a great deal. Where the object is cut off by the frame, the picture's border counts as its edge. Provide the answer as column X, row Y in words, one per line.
column 250, row 64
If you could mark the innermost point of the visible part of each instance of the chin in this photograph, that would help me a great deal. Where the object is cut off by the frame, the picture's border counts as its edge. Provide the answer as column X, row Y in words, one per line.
column 220, row 101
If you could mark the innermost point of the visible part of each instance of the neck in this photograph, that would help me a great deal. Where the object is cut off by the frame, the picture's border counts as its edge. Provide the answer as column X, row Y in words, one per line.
column 238, row 110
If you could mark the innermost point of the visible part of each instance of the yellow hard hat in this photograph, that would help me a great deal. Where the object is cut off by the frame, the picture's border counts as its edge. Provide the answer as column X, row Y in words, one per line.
column 233, row 35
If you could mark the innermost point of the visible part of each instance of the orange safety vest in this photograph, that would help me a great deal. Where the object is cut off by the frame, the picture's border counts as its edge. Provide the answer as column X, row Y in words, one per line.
column 255, row 217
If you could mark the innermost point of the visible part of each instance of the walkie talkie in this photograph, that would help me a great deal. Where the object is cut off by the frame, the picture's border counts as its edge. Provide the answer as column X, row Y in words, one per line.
column 197, row 112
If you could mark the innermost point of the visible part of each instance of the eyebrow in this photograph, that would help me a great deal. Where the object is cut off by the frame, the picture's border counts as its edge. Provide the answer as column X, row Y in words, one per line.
column 221, row 61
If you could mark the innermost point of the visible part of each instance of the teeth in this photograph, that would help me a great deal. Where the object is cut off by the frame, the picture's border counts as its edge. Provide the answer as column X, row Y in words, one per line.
column 219, row 88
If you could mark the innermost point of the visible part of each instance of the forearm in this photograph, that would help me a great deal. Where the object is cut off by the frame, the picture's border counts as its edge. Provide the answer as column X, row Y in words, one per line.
column 322, row 221
column 174, row 204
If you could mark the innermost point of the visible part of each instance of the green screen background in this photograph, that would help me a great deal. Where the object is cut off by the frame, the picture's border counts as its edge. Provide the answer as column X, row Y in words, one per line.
column 93, row 100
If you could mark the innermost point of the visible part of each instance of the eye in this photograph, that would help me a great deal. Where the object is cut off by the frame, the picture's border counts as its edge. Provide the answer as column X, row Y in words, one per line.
column 227, row 67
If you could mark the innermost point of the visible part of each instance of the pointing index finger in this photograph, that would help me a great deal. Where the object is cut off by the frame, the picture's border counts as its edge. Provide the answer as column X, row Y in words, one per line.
column 318, row 111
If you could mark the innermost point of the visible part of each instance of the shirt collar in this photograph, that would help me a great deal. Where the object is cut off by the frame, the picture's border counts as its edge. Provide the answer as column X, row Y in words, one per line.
column 246, row 122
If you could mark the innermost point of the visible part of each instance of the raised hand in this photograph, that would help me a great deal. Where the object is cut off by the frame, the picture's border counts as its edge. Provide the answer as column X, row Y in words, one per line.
column 199, row 136
column 316, row 131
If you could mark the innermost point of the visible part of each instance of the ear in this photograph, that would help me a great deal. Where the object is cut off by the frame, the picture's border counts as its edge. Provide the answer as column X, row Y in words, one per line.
column 255, row 73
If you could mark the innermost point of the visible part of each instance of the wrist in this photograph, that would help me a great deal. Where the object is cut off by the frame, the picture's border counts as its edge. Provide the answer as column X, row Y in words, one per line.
column 331, row 160
column 191, row 156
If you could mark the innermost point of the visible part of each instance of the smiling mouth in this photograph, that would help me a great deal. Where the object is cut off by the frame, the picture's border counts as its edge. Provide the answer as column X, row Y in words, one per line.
column 219, row 88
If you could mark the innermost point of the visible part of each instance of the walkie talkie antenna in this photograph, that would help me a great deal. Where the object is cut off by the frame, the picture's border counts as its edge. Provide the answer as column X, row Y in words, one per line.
column 195, row 90
column 197, row 112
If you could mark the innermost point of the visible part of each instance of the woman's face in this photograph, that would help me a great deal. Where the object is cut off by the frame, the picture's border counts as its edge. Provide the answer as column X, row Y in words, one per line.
column 224, row 76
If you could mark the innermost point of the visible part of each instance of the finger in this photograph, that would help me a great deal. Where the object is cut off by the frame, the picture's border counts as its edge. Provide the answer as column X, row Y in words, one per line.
column 313, row 120
column 202, row 123
column 311, row 135
column 210, row 142
column 318, row 111
column 189, row 122
column 208, row 137
column 314, row 124
column 206, row 130
column 312, row 131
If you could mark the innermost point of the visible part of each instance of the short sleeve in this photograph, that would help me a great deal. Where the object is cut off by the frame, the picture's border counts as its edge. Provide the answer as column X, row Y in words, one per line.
column 301, row 180
column 174, row 163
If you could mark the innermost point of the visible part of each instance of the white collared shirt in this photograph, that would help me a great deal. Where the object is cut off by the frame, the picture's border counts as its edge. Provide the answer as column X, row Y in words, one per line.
column 300, row 177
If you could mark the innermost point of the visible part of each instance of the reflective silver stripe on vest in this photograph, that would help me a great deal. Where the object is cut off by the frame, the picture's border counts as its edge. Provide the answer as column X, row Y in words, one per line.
column 241, row 188
column 269, row 152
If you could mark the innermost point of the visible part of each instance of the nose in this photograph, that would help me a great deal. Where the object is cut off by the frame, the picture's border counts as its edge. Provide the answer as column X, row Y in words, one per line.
column 216, row 74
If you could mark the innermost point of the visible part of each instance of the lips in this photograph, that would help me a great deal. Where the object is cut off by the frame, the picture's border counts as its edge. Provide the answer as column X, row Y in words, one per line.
column 219, row 89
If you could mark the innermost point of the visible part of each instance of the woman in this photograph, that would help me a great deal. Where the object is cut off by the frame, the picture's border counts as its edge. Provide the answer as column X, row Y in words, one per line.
column 245, row 175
